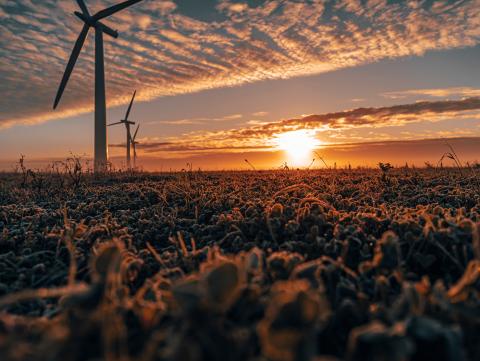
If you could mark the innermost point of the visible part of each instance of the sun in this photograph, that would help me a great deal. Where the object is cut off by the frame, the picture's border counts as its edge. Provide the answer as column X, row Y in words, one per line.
column 298, row 145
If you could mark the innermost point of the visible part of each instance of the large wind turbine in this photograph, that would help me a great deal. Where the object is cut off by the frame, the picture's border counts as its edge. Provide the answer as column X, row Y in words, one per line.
column 101, row 151
column 134, row 145
column 127, row 127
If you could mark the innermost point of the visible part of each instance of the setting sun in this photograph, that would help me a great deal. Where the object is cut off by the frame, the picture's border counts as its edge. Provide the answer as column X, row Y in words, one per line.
column 298, row 145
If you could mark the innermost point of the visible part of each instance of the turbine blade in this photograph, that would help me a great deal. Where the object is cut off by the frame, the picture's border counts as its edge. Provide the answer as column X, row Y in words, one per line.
column 136, row 131
column 71, row 63
column 81, row 16
column 109, row 125
column 114, row 9
column 130, row 106
column 108, row 30
column 84, row 8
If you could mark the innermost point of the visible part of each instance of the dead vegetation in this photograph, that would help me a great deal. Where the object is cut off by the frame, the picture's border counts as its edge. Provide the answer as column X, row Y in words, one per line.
column 297, row 265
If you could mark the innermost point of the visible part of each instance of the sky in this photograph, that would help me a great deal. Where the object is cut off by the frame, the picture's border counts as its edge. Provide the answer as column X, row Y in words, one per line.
column 221, row 81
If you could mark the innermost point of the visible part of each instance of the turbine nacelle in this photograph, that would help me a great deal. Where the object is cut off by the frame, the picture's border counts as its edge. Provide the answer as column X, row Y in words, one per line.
column 96, row 24
column 122, row 122
column 127, row 114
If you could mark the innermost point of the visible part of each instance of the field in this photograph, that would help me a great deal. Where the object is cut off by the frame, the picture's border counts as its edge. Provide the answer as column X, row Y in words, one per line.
column 279, row 265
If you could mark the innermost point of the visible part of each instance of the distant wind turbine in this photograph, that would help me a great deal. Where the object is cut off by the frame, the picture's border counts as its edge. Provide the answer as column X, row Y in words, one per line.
column 127, row 126
column 101, row 151
column 134, row 145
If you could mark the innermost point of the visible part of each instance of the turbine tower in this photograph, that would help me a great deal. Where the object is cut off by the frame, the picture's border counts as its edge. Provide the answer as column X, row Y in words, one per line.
column 134, row 145
column 127, row 127
column 101, row 150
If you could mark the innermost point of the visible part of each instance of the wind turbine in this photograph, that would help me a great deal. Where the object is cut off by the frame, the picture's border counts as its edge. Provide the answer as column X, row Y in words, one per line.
column 101, row 151
column 127, row 126
column 134, row 145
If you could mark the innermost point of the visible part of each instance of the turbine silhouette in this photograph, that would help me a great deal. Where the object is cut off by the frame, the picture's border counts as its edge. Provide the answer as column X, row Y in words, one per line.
column 101, row 151
column 127, row 127
column 134, row 145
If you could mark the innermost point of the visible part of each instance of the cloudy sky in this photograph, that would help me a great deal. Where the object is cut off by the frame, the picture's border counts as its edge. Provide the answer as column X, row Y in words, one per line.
column 219, row 80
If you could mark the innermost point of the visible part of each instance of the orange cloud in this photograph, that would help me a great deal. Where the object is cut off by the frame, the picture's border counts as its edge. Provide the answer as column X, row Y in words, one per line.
column 435, row 93
column 260, row 136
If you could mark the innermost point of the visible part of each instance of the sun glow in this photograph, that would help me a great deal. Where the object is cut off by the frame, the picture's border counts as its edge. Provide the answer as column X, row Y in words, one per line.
column 298, row 145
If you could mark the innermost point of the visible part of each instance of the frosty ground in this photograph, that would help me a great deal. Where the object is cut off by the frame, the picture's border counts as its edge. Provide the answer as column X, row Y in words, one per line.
column 274, row 265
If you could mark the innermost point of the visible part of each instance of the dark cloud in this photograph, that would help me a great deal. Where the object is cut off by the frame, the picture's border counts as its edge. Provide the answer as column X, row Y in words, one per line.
column 154, row 147
column 204, row 10
column 392, row 115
